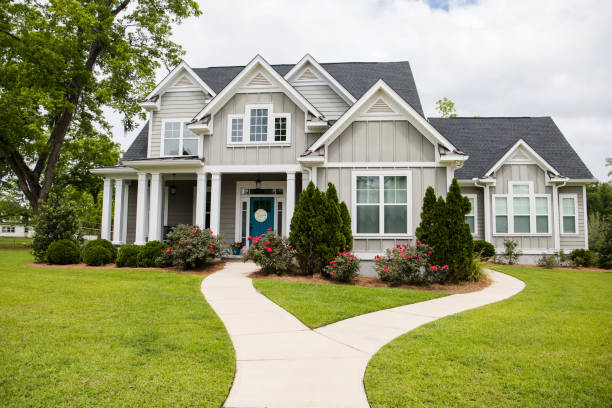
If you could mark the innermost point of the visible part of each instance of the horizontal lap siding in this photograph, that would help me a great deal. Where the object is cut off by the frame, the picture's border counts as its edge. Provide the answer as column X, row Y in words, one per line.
column 570, row 242
column 218, row 152
column 479, row 209
column 324, row 99
column 174, row 105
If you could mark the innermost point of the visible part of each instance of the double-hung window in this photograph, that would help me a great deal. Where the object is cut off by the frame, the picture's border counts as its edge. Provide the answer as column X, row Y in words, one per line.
column 178, row 140
column 381, row 205
column 470, row 218
column 521, row 212
column 569, row 213
column 259, row 124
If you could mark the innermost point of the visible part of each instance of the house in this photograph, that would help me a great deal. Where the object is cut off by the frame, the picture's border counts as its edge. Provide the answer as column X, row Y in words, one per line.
column 230, row 148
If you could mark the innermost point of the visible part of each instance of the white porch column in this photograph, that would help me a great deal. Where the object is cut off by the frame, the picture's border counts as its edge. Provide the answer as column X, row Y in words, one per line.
column 487, row 214
column 107, row 208
column 201, row 201
column 141, row 210
column 155, row 207
column 117, row 230
column 215, row 202
column 290, row 200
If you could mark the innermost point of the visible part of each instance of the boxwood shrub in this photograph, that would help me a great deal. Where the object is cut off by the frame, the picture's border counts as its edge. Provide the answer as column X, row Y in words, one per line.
column 150, row 253
column 128, row 256
column 63, row 252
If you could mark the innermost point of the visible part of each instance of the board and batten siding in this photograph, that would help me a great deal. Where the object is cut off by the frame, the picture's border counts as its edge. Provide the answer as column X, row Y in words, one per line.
column 174, row 105
column 324, row 99
column 573, row 241
column 422, row 177
column 218, row 152
column 381, row 141
column 478, row 191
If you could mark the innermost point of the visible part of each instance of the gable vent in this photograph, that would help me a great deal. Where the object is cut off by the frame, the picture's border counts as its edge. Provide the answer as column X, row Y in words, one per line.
column 380, row 107
column 259, row 80
column 308, row 75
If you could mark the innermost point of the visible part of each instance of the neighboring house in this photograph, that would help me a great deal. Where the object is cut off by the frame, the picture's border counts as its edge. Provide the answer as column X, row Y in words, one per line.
column 231, row 148
column 15, row 230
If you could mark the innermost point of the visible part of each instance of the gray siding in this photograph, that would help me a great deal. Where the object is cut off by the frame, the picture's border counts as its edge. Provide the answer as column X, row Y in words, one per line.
column 569, row 242
column 381, row 141
column 131, row 218
column 479, row 209
column 174, row 105
column 324, row 99
column 421, row 179
column 217, row 151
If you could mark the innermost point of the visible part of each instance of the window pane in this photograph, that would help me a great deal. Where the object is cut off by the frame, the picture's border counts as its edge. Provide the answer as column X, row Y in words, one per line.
column 280, row 129
column 396, row 219
column 469, row 220
column 172, row 130
column 568, row 206
column 501, row 224
column 521, row 224
column 520, row 189
column 569, row 225
column 259, row 125
column 521, row 205
column 190, row 147
column 367, row 219
column 542, row 223
column 171, row 147
column 501, row 205
column 237, row 129
column 541, row 205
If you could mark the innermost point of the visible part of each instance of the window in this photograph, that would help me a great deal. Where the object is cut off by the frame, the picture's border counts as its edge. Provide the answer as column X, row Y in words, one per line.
column 470, row 218
column 381, row 204
column 7, row 229
column 521, row 211
column 569, row 212
column 178, row 140
column 259, row 124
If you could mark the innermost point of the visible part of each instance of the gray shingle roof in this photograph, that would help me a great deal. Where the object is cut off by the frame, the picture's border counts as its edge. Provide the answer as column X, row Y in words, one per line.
column 486, row 140
column 138, row 148
column 356, row 77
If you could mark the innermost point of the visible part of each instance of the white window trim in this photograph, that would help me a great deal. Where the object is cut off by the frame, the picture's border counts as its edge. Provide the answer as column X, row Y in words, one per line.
column 575, row 198
column 183, row 122
column 381, row 203
column 246, row 126
column 532, row 212
column 474, row 210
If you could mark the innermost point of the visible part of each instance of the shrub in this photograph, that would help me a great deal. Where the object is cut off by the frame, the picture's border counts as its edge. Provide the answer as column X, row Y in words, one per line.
column 128, row 256
column 409, row 264
column 151, row 252
column 548, row 261
column 271, row 252
column 191, row 247
column 57, row 220
column 511, row 254
column 63, row 252
column 485, row 249
column 583, row 257
column 344, row 267
column 97, row 255
column 104, row 243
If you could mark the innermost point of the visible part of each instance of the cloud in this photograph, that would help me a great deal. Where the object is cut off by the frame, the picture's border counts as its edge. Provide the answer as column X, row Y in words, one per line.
column 492, row 58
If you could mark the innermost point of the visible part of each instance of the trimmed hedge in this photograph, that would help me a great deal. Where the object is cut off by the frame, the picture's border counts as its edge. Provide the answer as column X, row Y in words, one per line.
column 63, row 252
column 484, row 248
column 128, row 256
column 150, row 253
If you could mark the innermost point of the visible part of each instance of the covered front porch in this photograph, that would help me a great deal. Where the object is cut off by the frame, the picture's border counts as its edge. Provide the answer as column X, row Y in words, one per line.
column 143, row 200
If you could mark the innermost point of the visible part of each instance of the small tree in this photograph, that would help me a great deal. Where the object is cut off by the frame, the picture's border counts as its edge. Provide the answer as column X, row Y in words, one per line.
column 307, row 228
column 424, row 229
column 460, row 243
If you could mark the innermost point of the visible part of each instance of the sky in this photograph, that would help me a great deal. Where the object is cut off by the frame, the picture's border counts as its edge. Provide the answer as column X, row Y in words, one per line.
column 490, row 57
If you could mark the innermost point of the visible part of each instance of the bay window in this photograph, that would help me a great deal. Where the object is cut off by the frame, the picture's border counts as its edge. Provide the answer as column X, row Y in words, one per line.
column 569, row 213
column 259, row 124
column 178, row 140
column 380, row 203
column 521, row 212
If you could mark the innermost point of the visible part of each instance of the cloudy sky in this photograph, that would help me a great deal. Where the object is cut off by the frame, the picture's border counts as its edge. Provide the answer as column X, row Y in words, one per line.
column 491, row 57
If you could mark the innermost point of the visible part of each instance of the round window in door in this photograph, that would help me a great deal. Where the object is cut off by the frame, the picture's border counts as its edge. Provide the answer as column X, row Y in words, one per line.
column 262, row 215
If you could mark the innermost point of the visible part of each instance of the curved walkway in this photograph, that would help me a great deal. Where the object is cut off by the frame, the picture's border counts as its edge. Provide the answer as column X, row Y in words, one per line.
column 282, row 363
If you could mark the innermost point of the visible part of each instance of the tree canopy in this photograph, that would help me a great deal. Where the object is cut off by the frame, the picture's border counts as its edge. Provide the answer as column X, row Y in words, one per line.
column 62, row 61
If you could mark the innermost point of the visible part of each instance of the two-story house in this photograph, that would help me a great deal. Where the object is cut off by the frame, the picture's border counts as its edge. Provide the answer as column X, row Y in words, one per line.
column 230, row 148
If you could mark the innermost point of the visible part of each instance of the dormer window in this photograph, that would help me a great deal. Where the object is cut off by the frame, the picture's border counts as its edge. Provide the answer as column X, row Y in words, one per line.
column 264, row 126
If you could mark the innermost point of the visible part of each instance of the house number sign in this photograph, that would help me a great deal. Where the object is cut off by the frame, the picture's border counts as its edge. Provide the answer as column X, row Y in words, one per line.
column 261, row 215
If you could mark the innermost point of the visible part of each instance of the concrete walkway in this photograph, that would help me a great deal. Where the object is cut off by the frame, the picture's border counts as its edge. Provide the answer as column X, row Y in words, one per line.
column 282, row 363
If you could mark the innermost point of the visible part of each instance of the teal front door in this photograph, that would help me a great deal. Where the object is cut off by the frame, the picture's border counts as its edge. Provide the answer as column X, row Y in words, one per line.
column 262, row 215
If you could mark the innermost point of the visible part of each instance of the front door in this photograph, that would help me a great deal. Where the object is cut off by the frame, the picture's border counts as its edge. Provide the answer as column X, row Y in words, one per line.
column 262, row 215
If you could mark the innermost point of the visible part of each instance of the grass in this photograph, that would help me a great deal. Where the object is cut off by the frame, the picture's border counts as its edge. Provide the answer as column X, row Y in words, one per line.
column 548, row 346
column 10, row 242
column 318, row 304
column 108, row 338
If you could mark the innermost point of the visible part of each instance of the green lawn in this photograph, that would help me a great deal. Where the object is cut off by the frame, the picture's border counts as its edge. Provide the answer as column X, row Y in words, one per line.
column 15, row 242
column 548, row 346
column 318, row 304
column 108, row 338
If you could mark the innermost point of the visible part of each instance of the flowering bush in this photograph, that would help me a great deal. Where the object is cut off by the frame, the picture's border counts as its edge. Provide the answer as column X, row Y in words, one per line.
column 344, row 267
column 191, row 247
column 271, row 252
column 409, row 264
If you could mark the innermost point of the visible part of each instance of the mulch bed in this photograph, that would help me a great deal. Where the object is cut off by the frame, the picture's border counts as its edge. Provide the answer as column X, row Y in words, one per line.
column 463, row 287
column 207, row 269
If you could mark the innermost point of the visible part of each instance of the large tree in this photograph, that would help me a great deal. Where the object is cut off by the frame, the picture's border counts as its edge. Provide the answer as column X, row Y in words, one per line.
column 61, row 61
